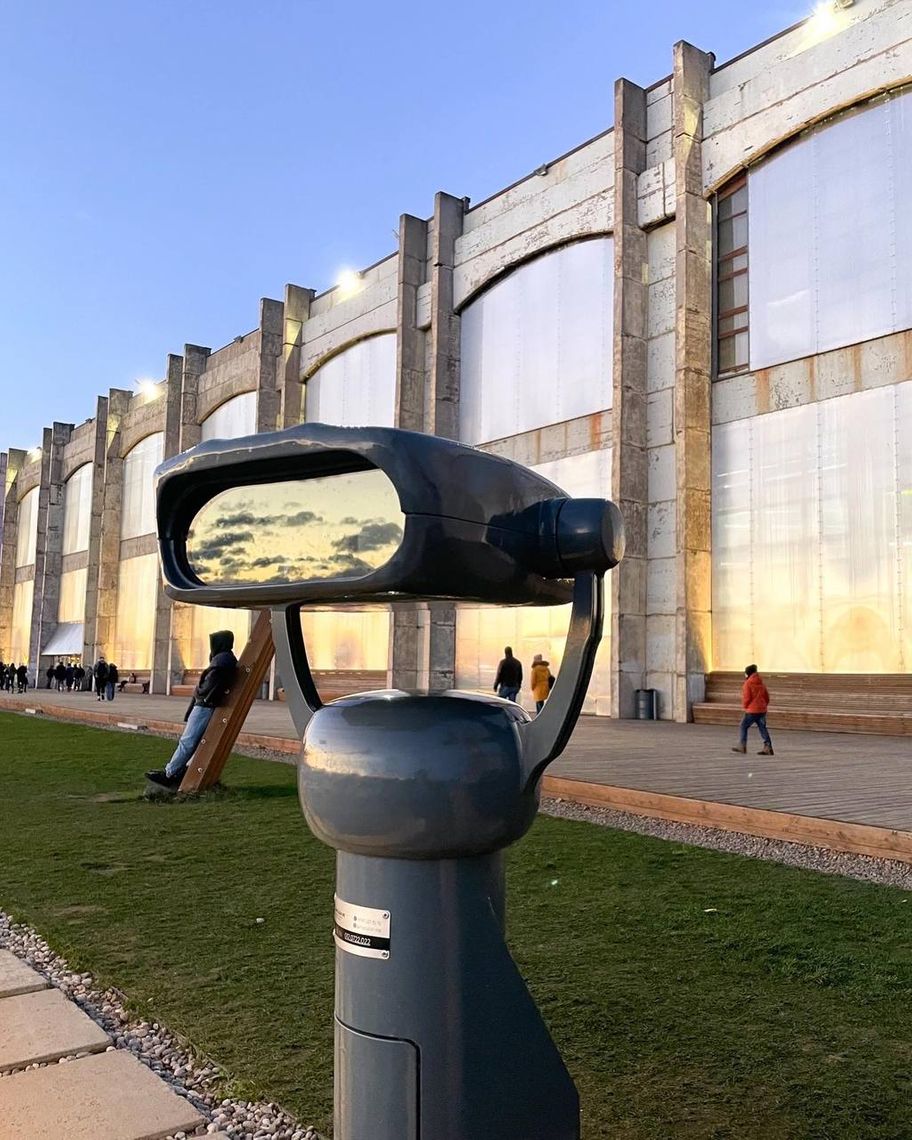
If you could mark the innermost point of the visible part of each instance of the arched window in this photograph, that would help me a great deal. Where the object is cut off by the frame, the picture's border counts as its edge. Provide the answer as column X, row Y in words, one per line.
column 138, row 509
column 23, row 596
column 829, row 237
column 134, row 623
column 77, row 510
column 537, row 346
column 357, row 387
column 27, row 531
column 234, row 418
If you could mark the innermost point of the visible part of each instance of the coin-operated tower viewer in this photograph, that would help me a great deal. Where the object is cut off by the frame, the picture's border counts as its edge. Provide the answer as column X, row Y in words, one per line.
column 419, row 793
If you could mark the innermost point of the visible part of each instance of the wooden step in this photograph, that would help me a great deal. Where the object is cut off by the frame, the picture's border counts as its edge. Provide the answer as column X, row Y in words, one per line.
column 874, row 721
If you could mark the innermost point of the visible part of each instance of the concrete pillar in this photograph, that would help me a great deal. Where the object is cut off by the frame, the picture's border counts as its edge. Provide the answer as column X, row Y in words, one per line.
column 14, row 460
column 269, row 391
column 442, row 413
column 174, row 410
column 90, row 621
column 109, row 546
column 693, row 378
column 194, row 365
column 49, row 549
column 629, row 465
column 296, row 311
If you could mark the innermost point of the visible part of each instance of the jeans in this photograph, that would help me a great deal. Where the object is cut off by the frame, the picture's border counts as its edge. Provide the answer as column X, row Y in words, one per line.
column 539, row 705
column 197, row 723
column 109, row 690
column 759, row 719
column 508, row 692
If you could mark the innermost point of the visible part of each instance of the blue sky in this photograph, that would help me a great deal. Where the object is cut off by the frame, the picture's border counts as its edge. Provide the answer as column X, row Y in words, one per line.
column 165, row 165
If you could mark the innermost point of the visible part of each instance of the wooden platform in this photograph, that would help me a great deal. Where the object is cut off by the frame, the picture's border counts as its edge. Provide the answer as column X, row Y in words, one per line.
column 880, row 704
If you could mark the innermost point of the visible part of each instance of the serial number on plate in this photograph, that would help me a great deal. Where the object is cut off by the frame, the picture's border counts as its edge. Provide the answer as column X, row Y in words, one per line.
column 361, row 930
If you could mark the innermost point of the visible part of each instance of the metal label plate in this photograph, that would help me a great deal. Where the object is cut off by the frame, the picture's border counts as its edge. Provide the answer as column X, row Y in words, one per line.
column 361, row 930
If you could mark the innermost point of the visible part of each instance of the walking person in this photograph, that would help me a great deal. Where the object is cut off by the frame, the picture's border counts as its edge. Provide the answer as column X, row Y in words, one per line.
column 59, row 675
column 49, row 675
column 755, row 701
column 113, row 677
column 508, row 681
column 69, row 676
column 210, row 691
column 100, row 673
column 22, row 678
column 78, row 678
column 540, row 681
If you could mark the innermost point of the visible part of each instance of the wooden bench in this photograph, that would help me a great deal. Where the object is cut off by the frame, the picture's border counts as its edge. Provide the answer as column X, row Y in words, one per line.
column 819, row 702
column 343, row 682
column 188, row 683
column 140, row 685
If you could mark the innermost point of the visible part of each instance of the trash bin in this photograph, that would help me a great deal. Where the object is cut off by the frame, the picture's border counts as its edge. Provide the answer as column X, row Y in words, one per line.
column 645, row 704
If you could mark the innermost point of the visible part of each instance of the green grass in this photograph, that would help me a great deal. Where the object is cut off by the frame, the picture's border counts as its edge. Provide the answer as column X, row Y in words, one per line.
column 693, row 994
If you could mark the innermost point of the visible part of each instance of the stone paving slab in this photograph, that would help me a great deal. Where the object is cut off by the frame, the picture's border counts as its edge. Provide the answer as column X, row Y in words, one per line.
column 111, row 1096
column 43, row 1026
column 18, row 978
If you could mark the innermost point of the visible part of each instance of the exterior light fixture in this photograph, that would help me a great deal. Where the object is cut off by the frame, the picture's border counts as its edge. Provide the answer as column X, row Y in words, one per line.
column 349, row 282
column 148, row 389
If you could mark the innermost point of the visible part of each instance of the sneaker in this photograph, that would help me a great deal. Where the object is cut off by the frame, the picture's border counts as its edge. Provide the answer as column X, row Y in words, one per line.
column 160, row 776
column 739, row 748
column 766, row 750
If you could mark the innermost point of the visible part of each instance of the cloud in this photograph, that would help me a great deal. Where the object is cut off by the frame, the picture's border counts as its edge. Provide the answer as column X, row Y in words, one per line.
column 372, row 536
column 301, row 518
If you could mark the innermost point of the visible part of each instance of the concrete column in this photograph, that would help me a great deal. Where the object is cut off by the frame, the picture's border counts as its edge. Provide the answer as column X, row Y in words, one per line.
column 693, row 377
column 14, row 460
column 442, row 412
column 296, row 311
column 629, row 466
column 90, row 621
column 194, row 365
column 49, row 549
column 174, row 409
column 272, row 337
column 109, row 547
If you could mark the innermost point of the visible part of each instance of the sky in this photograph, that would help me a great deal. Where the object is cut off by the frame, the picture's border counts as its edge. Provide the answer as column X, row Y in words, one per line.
column 164, row 165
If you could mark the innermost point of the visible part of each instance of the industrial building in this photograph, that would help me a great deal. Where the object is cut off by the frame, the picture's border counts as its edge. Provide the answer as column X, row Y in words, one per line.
column 704, row 313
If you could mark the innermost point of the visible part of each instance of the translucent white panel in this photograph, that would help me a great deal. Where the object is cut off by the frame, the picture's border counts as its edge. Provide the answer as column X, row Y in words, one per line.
column 138, row 510
column 858, row 533
column 23, row 594
column 77, row 510
column 71, row 602
column 27, row 531
column 346, row 639
column 831, row 236
column 208, row 619
column 812, row 537
column 537, row 346
column 236, row 417
column 482, row 633
column 357, row 387
column 134, row 623
column 781, row 250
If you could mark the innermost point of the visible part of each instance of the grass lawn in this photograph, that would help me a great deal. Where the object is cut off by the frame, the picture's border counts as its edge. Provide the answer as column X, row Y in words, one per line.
column 693, row 994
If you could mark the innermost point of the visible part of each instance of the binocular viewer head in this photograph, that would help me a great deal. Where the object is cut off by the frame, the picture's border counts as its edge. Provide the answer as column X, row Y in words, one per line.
column 320, row 515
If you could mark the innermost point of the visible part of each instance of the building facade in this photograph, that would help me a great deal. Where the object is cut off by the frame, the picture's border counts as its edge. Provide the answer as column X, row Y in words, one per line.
column 704, row 313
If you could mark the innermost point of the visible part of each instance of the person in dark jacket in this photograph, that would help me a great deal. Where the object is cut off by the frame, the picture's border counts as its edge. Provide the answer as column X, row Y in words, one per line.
column 69, row 675
column 755, row 701
column 22, row 677
column 210, row 691
column 78, row 678
column 508, row 681
column 100, row 673
column 59, row 675
column 49, row 675
column 113, row 678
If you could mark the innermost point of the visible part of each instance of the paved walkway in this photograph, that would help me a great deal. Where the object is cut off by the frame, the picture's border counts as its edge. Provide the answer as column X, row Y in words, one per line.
column 62, row 1079
column 833, row 776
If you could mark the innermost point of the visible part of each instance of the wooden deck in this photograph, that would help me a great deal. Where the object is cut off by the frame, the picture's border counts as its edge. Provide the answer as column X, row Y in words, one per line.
column 815, row 784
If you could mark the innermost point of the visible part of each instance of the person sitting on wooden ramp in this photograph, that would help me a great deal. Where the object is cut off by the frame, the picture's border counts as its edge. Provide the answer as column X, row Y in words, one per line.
column 210, row 691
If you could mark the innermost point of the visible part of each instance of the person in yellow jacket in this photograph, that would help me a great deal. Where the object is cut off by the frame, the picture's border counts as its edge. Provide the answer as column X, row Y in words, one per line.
column 541, row 681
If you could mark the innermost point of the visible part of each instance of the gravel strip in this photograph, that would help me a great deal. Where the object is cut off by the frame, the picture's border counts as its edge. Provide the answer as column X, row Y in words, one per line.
column 196, row 1078
column 888, row 872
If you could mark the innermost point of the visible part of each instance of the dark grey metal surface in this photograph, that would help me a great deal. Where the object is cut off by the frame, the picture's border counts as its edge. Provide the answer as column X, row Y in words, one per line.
column 392, row 1111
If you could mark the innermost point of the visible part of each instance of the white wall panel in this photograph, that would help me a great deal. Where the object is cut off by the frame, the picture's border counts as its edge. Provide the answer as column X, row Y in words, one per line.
column 71, row 602
column 357, row 387
column 134, row 623
column 138, row 508
column 537, row 346
column 831, row 237
column 812, row 536
column 77, row 511
column 23, row 596
column 482, row 633
column 236, row 417
column 27, row 531
column 346, row 640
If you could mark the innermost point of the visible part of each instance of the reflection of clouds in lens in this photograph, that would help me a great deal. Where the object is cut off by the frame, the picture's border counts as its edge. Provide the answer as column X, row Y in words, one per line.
column 244, row 535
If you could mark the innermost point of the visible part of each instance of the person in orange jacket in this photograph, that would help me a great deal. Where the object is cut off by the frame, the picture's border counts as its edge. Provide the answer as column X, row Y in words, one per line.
column 540, row 681
column 755, row 700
